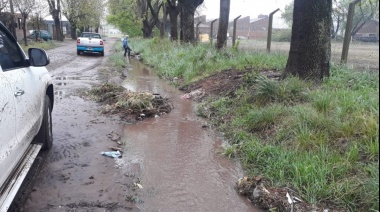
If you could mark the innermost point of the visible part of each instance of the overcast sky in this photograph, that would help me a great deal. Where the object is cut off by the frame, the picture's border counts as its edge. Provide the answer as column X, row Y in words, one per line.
column 251, row 8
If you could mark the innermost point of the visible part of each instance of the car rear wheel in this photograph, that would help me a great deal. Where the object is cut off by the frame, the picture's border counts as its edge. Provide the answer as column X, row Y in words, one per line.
column 78, row 52
column 45, row 135
column 102, row 53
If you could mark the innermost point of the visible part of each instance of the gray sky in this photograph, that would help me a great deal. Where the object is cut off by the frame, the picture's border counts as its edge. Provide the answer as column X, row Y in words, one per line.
column 251, row 8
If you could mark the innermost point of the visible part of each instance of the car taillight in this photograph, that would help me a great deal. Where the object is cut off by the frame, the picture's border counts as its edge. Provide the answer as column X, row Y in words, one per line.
column 101, row 43
column 78, row 41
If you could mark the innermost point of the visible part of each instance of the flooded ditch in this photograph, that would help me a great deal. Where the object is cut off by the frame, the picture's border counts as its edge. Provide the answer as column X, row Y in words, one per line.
column 176, row 159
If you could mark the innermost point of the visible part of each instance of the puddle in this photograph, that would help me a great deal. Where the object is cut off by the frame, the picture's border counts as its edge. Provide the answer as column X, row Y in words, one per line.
column 180, row 165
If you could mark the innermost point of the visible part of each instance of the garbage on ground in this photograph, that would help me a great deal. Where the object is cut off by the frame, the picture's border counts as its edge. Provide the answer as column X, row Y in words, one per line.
column 138, row 185
column 113, row 154
column 271, row 198
column 196, row 95
column 116, row 149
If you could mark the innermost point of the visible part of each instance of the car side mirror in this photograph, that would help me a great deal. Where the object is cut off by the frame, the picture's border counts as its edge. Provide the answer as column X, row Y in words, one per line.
column 38, row 57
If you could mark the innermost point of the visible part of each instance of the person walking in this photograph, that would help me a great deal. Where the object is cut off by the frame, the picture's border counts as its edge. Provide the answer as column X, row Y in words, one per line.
column 126, row 47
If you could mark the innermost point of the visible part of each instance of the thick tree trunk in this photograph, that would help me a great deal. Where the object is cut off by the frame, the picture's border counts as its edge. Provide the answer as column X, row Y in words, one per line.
column 223, row 23
column 173, row 11
column 310, row 48
column 173, row 15
column 188, row 8
column 188, row 25
column 147, row 29
column 57, row 24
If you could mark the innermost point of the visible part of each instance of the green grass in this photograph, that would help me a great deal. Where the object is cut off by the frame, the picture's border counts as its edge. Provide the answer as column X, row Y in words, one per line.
column 195, row 62
column 43, row 45
column 321, row 140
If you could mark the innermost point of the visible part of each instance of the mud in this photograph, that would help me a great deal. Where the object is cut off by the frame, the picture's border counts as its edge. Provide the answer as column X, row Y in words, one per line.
column 170, row 163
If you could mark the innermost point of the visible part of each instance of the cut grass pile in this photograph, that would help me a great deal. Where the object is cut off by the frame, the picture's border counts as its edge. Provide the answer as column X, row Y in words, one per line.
column 117, row 100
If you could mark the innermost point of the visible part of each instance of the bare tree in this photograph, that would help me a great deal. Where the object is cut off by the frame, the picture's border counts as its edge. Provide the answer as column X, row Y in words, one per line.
column 310, row 48
column 3, row 5
column 224, row 16
column 25, row 7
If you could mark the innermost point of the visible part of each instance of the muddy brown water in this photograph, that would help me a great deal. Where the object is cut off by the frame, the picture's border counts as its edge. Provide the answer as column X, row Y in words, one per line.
column 175, row 160
column 180, row 161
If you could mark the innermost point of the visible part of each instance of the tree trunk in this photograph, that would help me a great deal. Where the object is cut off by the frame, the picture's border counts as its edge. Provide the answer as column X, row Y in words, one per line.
column 173, row 11
column 147, row 29
column 173, row 16
column 73, row 31
column 24, row 28
column 188, row 25
column 188, row 8
column 163, row 23
column 13, row 29
column 223, row 23
column 57, row 25
column 310, row 47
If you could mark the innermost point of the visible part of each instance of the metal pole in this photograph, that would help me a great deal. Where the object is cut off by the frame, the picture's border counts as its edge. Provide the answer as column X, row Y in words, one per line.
column 347, row 34
column 212, row 30
column 197, row 32
column 234, row 34
column 270, row 27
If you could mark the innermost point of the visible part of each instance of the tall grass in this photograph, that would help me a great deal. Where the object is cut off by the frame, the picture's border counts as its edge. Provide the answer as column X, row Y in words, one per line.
column 195, row 62
column 321, row 140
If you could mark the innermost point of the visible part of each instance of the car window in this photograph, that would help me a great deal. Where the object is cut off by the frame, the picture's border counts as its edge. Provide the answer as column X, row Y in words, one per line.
column 86, row 35
column 95, row 36
column 10, row 54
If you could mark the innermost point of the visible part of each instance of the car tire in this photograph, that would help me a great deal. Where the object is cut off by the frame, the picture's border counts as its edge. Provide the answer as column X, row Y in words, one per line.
column 102, row 53
column 45, row 134
column 78, row 52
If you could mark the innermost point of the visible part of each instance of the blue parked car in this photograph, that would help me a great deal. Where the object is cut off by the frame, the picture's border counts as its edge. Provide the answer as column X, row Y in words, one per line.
column 43, row 34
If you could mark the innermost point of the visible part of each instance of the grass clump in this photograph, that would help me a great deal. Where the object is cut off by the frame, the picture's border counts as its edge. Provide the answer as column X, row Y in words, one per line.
column 321, row 140
column 41, row 44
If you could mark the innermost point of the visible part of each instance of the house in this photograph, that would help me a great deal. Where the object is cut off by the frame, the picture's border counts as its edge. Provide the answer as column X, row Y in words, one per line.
column 369, row 32
column 49, row 26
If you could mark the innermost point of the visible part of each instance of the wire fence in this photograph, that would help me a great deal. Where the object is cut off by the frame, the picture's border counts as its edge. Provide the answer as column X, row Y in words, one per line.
column 252, row 34
column 361, row 55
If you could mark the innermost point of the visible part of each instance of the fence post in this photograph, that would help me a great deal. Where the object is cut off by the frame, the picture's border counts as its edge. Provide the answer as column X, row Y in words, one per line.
column 197, row 32
column 270, row 27
column 347, row 34
column 212, row 31
column 234, row 34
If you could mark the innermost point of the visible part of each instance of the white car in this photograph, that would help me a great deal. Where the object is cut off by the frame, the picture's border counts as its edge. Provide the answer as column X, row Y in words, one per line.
column 90, row 42
column 26, row 103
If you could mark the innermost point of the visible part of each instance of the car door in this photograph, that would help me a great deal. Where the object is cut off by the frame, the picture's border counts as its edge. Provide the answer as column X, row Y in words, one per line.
column 28, row 89
column 23, row 86
column 8, row 137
